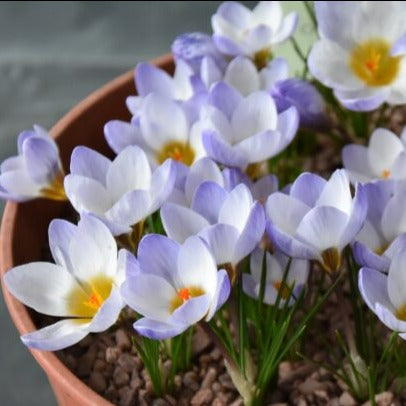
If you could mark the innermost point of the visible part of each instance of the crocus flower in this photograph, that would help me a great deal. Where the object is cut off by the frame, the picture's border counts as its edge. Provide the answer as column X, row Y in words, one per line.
column 361, row 53
column 193, row 47
column 173, row 286
column 231, row 223
column 384, row 231
column 240, row 31
column 239, row 131
column 82, row 286
column 383, row 158
column 121, row 193
column 162, row 130
column 385, row 294
column 317, row 219
column 36, row 171
column 276, row 266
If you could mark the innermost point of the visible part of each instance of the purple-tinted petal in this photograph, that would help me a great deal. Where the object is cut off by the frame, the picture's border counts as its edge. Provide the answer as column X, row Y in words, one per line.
column 150, row 79
column 249, row 285
column 362, row 101
column 251, row 234
column 227, row 46
column 225, row 98
column 120, row 134
column 373, row 287
column 22, row 137
column 157, row 330
column 17, row 185
column 399, row 47
column 208, row 200
column 288, row 123
column 355, row 160
column 162, row 183
column 222, row 293
column 60, row 233
column 365, row 257
column 158, row 255
column 387, row 317
column 90, row 164
column 289, row 245
column 307, row 188
column 57, row 336
column 222, row 152
column 181, row 222
column 42, row 159
column 264, row 187
column 357, row 216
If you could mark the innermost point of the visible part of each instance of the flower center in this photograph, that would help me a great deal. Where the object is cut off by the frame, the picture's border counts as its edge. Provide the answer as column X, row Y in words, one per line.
column 261, row 58
column 55, row 189
column 401, row 313
column 179, row 151
column 282, row 288
column 87, row 300
column 183, row 295
column 331, row 260
column 385, row 174
column 372, row 63
column 380, row 250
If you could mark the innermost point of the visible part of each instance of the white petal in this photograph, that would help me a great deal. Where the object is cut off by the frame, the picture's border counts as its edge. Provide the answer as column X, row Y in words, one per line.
column 254, row 114
column 196, row 265
column 397, row 280
column 384, row 147
column 242, row 74
column 129, row 171
column 355, row 160
column 394, row 216
column 336, row 192
column 47, row 288
column 237, row 207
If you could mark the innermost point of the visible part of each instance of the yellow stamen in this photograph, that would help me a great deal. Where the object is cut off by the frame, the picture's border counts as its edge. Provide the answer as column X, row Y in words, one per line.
column 385, row 174
column 86, row 300
column 55, row 190
column 179, row 151
column 380, row 250
column 372, row 63
column 282, row 288
column 401, row 313
column 261, row 58
column 183, row 295
column 331, row 260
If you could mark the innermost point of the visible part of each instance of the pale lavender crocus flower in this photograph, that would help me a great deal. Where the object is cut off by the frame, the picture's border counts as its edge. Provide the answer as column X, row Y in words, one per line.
column 231, row 223
column 241, row 31
column 238, row 131
column 383, row 158
column 317, row 219
column 384, row 231
column 163, row 130
column 82, row 286
column 122, row 192
column 361, row 52
column 385, row 294
column 36, row 171
column 173, row 286
column 276, row 266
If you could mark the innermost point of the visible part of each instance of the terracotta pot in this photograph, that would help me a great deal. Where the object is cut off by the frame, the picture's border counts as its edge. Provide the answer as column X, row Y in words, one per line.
column 24, row 226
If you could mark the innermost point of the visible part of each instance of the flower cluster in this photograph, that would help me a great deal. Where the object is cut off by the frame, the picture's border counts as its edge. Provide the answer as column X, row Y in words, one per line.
column 190, row 224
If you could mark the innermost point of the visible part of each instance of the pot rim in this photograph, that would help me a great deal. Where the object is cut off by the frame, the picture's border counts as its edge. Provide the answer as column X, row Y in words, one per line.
column 19, row 313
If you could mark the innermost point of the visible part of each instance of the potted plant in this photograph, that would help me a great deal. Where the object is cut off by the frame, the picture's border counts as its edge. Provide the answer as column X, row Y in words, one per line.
column 200, row 265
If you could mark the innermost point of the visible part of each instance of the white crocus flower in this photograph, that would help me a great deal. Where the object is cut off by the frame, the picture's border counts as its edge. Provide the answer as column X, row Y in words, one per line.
column 121, row 193
column 361, row 53
column 82, row 286
column 383, row 158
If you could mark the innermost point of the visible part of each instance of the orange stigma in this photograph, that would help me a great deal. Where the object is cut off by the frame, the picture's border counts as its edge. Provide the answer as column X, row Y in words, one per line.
column 95, row 300
column 184, row 294
column 372, row 64
column 385, row 174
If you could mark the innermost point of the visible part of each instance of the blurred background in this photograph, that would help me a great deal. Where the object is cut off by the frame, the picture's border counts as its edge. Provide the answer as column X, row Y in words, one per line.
column 52, row 55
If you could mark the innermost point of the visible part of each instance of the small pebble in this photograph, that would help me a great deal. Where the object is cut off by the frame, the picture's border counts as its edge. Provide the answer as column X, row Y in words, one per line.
column 202, row 397
column 99, row 365
column 190, row 381
column 310, row 385
column 112, row 354
column 97, row 382
column 209, row 378
column 122, row 340
column 120, row 377
column 126, row 361
column 226, row 381
column 128, row 397
column 346, row 400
